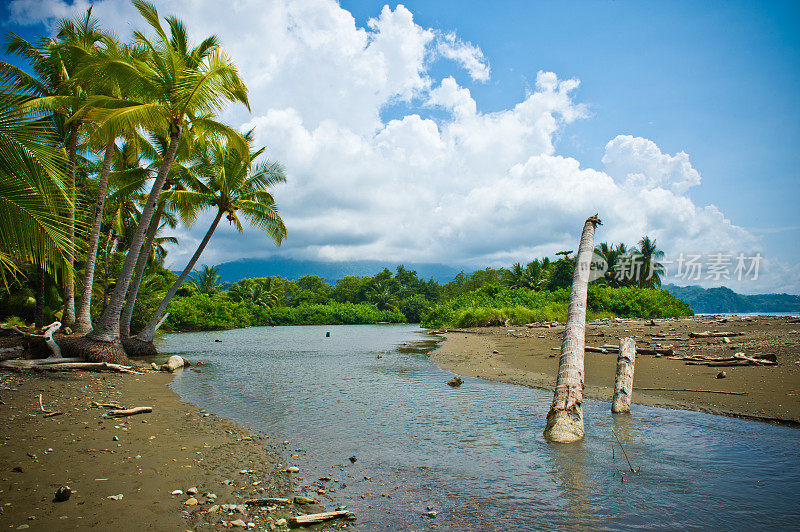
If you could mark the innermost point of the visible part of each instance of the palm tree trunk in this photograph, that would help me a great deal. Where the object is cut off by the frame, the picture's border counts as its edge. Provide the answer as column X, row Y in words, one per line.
column 107, row 330
column 565, row 418
column 68, row 316
column 141, row 264
column 105, row 269
column 39, row 317
column 148, row 333
column 83, row 322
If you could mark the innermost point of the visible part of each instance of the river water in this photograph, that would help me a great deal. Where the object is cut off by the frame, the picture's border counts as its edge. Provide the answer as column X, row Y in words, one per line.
column 475, row 454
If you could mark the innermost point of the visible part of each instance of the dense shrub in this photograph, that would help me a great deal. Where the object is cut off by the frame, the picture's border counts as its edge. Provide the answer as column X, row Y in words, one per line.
column 494, row 304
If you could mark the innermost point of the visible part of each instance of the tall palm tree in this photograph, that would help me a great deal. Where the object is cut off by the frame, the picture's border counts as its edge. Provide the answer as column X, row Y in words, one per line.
column 33, row 192
column 54, row 87
column 154, row 150
column 652, row 270
column 106, row 137
column 175, row 85
column 565, row 418
column 233, row 185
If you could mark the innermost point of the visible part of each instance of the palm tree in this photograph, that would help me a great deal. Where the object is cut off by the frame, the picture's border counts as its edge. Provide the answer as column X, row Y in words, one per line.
column 233, row 185
column 208, row 281
column 174, row 86
column 33, row 192
column 652, row 270
column 565, row 418
column 54, row 88
column 106, row 137
column 154, row 150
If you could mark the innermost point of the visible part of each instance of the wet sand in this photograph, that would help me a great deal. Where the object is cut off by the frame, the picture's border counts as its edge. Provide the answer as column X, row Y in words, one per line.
column 143, row 458
column 529, row 357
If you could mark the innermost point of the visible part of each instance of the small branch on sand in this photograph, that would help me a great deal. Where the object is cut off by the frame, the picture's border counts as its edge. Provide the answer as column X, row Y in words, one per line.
column 47, row 413
column 310, row 519
column 131, row 411
column 689, row 390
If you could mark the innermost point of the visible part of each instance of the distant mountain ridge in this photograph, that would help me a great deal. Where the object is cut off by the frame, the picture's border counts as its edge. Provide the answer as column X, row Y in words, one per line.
column 722, row 299
column 330, row 271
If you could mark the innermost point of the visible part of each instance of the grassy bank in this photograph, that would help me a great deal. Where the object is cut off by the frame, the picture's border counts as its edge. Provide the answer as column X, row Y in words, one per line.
column 496, row 304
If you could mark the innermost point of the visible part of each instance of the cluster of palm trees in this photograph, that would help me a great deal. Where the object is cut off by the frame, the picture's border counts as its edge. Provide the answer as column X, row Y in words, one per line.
column 103, row 145
column 635, row 266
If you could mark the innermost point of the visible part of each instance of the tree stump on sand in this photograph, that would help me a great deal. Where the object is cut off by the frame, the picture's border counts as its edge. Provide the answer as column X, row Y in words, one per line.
column 137, row 348
column 623, row 383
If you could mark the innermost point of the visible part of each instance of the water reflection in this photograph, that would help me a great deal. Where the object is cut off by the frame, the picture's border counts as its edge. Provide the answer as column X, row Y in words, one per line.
column 569, row 466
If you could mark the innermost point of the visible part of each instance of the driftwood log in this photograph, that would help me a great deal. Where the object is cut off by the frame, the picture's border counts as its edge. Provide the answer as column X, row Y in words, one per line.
column 310, row 519
column 709, row 334
column 131, row 411
column 66, row 364
column 689, row 390
column 267, row 501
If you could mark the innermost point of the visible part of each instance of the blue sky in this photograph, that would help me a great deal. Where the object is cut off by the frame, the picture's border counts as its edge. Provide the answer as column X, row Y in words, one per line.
column 716, row 80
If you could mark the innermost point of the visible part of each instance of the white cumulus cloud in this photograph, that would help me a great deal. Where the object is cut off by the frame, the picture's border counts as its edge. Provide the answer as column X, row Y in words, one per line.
column 470, row 188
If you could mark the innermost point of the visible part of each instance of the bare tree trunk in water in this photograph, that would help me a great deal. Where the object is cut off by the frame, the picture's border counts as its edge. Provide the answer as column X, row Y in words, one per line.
column 565, row 418
column 623, row 382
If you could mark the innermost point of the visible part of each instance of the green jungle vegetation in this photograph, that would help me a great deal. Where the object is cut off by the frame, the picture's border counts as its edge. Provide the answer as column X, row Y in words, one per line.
column 520, row 294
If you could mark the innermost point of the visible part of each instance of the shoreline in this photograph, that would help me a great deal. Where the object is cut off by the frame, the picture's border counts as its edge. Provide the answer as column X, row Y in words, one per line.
column 143, row 457
column 529, row 357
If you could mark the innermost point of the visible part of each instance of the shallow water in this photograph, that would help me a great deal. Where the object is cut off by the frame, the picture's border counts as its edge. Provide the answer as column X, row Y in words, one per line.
column 475, row 454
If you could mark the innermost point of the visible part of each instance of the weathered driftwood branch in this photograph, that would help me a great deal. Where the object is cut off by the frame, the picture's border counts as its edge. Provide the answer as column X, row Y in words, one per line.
column 310, row 519
column 689, row 390
column 623, row 382
column 267, row 501
column 709, row 334
column 738, row 359
column 591, row 349
column 47, row 413
column 107, row 405
column 131, row 411
column 48, row 338
column 67, row 364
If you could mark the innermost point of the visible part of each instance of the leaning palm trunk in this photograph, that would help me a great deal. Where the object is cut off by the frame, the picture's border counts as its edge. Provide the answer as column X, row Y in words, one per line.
column 102, row 344
column 148, row 333
column 68, row 316
column 565, row 418
column 83, row 322
column 141, row 264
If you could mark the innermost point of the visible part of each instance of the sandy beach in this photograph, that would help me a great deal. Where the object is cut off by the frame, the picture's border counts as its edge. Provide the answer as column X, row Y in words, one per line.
column 122, row 471
column 529, row 356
